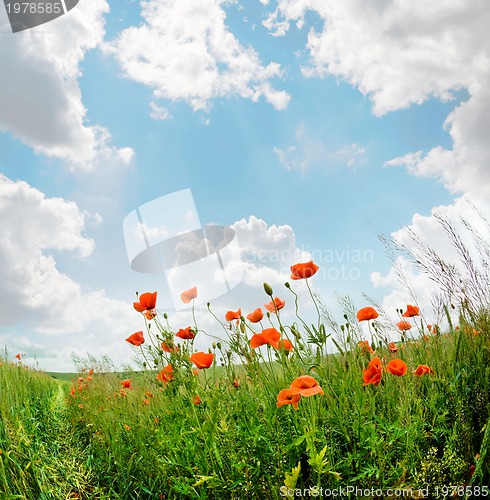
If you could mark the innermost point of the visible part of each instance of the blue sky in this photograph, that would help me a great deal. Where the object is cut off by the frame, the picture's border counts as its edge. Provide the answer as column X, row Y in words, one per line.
column 305, row 126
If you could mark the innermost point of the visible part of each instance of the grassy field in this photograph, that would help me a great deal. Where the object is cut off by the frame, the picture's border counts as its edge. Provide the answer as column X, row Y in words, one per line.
column 266, row 413
column 221, row 434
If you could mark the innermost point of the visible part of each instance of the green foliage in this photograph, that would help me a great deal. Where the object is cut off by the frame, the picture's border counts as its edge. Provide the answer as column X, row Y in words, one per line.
column 246, row 426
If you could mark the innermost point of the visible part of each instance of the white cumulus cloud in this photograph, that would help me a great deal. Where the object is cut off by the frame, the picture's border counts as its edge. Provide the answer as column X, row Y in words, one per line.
column 184, row 51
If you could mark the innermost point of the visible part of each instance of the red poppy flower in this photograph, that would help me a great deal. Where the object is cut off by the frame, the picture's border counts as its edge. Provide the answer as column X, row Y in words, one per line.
column 185, row 333
column 372, row 374
column 364, row 345
column 272, row 336
column 17, row 355
column 288, row 397
column 256, row 316
column 197, row 400
column 366, row 313
column 188, row 295
column 392, row 347
column 231, row 315
column 150, row 315
column 404, row 325
column 165, row 375
column 303, row 270
column 202, row 359
column 423, row 370
column 126, row 384
column 275, row 305
column 147, row 302
column 268, row 336
column 411, row 311
column 257, row 340
column 305, row 386
column 136, row 339
column 168, row 348
column 397, row 367
column 285, row 344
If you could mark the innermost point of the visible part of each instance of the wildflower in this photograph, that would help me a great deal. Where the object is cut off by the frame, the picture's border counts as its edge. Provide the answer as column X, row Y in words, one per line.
column 303, row 270
column 268, row 336
column 18, row 355
column 285, row 344
column 185, row 333
column 288, row 397
column 365, row 346
column 236, row 383
column 188, row 295
column 231, row 315
column 126, row 426
column 275, row 305
column 146, row 401
column 411, row 311
column 126, row 384
column 168, row 348
column 372, row 374
column 305, row 386
column 397, row 367
column 202, row 359
column 147, row 302
column 429, row 327
column 255, row 316
column 392, row 347
column 91, row 371
column 136, row 339
column 150, row 314
column 257, row 340
column 404, row 325
column 423, row 370
column 165, row 375
column 366, row 313
column 149, row 394
column 197, row 400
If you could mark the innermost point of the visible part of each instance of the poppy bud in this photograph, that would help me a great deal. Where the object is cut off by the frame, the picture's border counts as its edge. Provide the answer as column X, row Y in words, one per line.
column 165, row 315
column 218, row 345
column 242, row 327
column 214, row 345
column 287, row 285
column 268, row 289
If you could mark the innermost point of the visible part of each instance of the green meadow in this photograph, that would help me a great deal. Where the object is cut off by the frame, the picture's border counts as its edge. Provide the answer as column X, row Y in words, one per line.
column 268, row 412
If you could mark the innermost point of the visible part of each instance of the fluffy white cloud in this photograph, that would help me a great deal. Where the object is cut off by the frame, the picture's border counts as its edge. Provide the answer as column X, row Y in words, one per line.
column 398, row 53
column 402, row 53
column 184, row 51
column 34, row 294
column 40, row 99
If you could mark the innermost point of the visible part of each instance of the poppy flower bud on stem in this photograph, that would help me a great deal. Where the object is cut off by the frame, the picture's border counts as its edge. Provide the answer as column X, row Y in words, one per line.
column 287, row 285
column 268, row 289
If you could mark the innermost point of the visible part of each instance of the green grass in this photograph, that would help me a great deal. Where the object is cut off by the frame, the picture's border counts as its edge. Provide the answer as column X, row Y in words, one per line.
column 152, row 441
column 88, row 436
